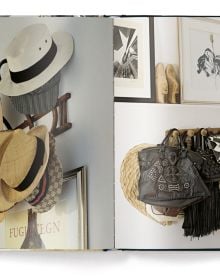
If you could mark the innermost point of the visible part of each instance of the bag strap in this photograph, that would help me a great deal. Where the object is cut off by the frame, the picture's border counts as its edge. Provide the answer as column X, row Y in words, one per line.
column 180, row 140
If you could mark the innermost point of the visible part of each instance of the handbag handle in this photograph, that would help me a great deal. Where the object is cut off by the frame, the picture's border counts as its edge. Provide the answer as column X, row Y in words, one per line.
column 180, row 140
column 201, row 140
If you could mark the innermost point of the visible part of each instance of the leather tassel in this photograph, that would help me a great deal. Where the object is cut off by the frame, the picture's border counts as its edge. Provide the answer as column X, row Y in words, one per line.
column 203, row 218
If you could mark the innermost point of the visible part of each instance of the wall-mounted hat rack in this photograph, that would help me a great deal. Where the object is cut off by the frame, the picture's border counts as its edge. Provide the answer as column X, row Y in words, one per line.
column 59, row 123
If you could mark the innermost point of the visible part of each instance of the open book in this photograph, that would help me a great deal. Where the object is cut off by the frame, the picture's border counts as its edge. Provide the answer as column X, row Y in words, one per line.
column 114, row 87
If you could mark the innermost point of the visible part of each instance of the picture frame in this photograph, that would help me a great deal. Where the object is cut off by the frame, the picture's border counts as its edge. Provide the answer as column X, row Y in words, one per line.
column 199, row 47
column 134, row 59
column 64, row 227
column 80, row 175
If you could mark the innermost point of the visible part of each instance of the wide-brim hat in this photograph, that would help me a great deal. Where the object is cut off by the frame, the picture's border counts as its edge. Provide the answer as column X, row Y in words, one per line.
column 5, row 205
column 47, row 193
column 18, row 194
column 129, row 178
column 2, row 216
column 39, row 101
column 32, row 58
column 5, row 138
column 17, row 158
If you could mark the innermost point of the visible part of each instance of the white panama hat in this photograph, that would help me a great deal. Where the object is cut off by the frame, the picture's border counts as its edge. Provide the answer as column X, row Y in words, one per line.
column 32, row 58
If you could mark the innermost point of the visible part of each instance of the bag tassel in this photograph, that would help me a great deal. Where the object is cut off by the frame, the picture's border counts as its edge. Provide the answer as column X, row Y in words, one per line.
column 203, row 218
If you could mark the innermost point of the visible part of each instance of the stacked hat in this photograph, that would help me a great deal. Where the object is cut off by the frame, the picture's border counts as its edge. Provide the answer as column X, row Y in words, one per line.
column 23, row 160
column 47, row 193
column 31, row 68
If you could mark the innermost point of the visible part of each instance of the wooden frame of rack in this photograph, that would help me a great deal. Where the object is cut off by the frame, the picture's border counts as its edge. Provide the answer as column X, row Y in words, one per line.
column 59, row 123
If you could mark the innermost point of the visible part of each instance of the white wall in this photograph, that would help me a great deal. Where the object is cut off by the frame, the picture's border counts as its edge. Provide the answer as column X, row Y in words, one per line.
column 146, row 123
column 89, row 142
column 166, row 40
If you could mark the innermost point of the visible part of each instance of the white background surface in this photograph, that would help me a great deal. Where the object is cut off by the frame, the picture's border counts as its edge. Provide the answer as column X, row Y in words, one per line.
column 111, row 265
column 135, row 124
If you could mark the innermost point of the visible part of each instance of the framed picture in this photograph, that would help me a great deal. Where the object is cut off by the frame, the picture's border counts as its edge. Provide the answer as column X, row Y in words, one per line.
column 200, row 60
column 64, row 227
column 133, row 44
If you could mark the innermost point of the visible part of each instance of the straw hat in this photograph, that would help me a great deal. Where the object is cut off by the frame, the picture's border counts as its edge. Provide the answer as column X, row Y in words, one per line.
column 17, row 193
column 129, row 177
column 47, row 193
column 2, row 216
column 5, row 138
column 1, row 117
column 32, row 58
column 17, row 158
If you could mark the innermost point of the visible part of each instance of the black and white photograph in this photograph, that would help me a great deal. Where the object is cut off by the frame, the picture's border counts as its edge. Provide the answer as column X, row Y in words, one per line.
column 126, row 52
column 133, row 59
column 200, row 60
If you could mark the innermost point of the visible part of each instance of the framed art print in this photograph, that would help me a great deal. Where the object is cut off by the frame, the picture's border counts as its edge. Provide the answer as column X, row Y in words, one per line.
column 200, row 60
column 133, row 44
column 64, row 227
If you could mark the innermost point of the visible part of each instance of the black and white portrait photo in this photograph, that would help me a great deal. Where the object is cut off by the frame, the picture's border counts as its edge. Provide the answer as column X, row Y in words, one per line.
column 126, row 52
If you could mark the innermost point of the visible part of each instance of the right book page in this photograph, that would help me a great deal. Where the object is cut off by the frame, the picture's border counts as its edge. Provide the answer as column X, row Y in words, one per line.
column 175, row 102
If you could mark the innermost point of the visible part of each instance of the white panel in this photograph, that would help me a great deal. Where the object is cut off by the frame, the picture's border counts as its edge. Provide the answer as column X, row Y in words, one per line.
column 146, row 123
column 166, row 40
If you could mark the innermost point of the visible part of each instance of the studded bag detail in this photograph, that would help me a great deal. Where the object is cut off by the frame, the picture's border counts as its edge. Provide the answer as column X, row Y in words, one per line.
column 169, row 176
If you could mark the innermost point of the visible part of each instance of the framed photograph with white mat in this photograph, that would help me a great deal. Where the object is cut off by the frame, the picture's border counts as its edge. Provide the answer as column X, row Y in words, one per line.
column 133, row 44
column 199, row 41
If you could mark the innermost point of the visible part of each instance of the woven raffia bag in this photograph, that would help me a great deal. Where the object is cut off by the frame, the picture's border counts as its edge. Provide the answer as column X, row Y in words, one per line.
column 129, row 178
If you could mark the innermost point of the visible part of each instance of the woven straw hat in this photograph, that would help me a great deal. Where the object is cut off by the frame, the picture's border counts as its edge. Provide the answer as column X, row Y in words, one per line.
column 129, row 178
column 17, row 158
column 32, row 58
column 14, row 195
column 1, row 117
column 5, row 138
column 2, row 216
column 47, row 193
column 5, row 205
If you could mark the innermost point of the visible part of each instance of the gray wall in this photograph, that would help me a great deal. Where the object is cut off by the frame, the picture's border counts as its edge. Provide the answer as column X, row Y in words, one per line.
column 89, row 78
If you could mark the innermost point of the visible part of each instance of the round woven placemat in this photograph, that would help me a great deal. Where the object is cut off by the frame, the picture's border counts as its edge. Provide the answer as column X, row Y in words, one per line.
column 129, row 177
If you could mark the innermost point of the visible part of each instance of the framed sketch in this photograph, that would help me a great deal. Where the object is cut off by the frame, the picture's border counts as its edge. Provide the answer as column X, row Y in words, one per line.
column 200, row 60
column 133, row 44
column 64, row 227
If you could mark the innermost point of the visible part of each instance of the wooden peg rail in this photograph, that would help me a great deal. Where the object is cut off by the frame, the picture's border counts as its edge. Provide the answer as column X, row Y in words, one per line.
column 190, row 133
column 59, row 115
column 193, row 131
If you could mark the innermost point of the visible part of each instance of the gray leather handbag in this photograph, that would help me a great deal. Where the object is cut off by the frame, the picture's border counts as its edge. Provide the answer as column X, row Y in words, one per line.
column 169, row 176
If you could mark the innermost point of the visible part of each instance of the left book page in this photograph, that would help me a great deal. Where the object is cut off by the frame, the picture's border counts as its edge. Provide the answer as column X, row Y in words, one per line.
column 57, row 167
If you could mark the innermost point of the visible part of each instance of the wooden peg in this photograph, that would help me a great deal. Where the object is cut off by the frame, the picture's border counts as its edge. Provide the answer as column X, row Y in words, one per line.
column 175, row 134
column 190, row 133
column 204, row 132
